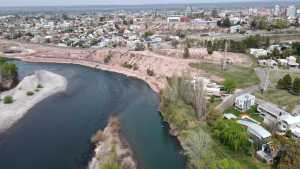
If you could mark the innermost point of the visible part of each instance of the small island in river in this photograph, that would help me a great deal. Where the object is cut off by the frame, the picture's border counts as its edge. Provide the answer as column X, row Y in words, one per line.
column 32, row 89
column 111, row 151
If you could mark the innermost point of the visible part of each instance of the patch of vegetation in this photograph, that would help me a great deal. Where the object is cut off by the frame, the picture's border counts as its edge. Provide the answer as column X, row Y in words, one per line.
column 39, row 86
column 232, row 134
column 282, row 98
column 107, row 59
column 150, row 72
column 202, row 148
column 229, row 85
column 253, row 113
column 8, row 100
column 130, row 66
column 29, row 93
column 243, row 76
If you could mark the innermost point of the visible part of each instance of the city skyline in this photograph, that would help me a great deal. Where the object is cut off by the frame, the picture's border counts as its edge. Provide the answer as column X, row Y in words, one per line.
column 4, row 3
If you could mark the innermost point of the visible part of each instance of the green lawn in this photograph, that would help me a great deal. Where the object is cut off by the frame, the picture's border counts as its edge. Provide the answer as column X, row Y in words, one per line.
column 282, row 98
column 244, row 76
column 252, row 113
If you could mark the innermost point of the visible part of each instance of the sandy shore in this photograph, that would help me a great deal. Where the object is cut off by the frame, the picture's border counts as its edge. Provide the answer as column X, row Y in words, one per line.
column 49, row 84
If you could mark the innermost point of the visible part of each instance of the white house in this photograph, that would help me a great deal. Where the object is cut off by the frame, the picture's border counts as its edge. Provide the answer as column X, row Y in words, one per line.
column 173, row 19
column 291, row 123
column 258, row 52
column 268, row 62
column 235, row 29
column 244, row 102
column 292, row 62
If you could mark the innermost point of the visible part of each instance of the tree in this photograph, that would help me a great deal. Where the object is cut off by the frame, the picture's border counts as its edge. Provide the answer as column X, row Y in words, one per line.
column 232, row 134
column 174, row 43
column 186, row 53
column 287, row 81
column 210, row 49
column 200, row 99
column 296, row 86
column 229, row 85
column 290, row 156
column 148, row 33
column 226, row 164
column 2, row 60
column 280, row 84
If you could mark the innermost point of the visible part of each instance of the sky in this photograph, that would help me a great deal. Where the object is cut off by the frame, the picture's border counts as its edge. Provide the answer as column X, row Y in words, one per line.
column 103, row 2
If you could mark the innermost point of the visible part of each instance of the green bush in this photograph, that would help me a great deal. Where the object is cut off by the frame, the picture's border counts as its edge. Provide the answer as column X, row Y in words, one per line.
column 229, row 85
column 39, row 86
column 8, row 100
column 30, row 93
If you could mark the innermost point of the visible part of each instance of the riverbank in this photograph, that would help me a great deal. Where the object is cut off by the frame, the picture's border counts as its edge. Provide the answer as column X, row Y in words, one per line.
column 150, row 81
column 111, row 149
column 30, row 91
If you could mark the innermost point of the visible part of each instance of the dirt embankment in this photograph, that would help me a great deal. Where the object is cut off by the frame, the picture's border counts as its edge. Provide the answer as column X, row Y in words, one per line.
column 130, row 63
column 111, row 149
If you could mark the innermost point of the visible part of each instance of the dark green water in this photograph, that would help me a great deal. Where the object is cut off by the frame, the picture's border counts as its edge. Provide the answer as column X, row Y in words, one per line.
column 55, row 134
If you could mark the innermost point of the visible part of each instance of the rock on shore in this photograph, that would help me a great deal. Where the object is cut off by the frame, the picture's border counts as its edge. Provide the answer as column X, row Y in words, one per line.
column 31, row 90
column 111, row 149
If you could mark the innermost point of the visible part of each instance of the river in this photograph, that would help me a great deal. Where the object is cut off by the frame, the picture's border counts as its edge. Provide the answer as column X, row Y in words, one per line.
column 55, row 134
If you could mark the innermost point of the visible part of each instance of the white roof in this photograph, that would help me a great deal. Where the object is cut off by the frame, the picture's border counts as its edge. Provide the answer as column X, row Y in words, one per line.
column 230, row 116
column 289, row 119
column 245, row 96
column 255, row 129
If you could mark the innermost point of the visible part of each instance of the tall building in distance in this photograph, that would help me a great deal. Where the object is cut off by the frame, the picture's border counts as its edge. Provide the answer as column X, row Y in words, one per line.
column 276, row 10
column 291, row 11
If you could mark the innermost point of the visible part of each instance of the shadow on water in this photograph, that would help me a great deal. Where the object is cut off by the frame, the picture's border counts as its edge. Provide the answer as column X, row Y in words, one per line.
column 55, row 134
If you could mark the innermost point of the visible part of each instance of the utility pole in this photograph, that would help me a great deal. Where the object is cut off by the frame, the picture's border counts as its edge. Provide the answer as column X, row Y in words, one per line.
column 224, row 60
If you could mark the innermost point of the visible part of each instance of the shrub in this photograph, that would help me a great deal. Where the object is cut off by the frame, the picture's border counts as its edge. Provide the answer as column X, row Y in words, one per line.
column 296, row 86
column 108, row 57
column 29, row 93
column 229, row 85
column 127, row 65
column 8, row 100
column 39, row 86
column 150, row 72
column 186, row 53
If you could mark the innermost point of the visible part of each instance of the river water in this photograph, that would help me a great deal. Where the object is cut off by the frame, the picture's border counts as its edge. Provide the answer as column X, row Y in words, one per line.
column 55, row 134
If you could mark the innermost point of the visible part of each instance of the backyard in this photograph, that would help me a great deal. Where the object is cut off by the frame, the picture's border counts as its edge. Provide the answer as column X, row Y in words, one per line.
column 243, row 76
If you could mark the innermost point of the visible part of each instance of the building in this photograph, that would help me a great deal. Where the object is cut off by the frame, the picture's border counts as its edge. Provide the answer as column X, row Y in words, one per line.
column 174, row 19
column 257, row 133
column 235, row 29
column 276, row 10
column 291, row 11
column 271, row 113
column 290, row 123
column 292, row 62
column 244, row 102
column 258, row 52
column 202, row 22
column 269, row 63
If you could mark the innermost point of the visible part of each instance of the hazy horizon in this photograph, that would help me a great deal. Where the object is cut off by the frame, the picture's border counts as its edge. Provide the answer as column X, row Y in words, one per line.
column 20, row 3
